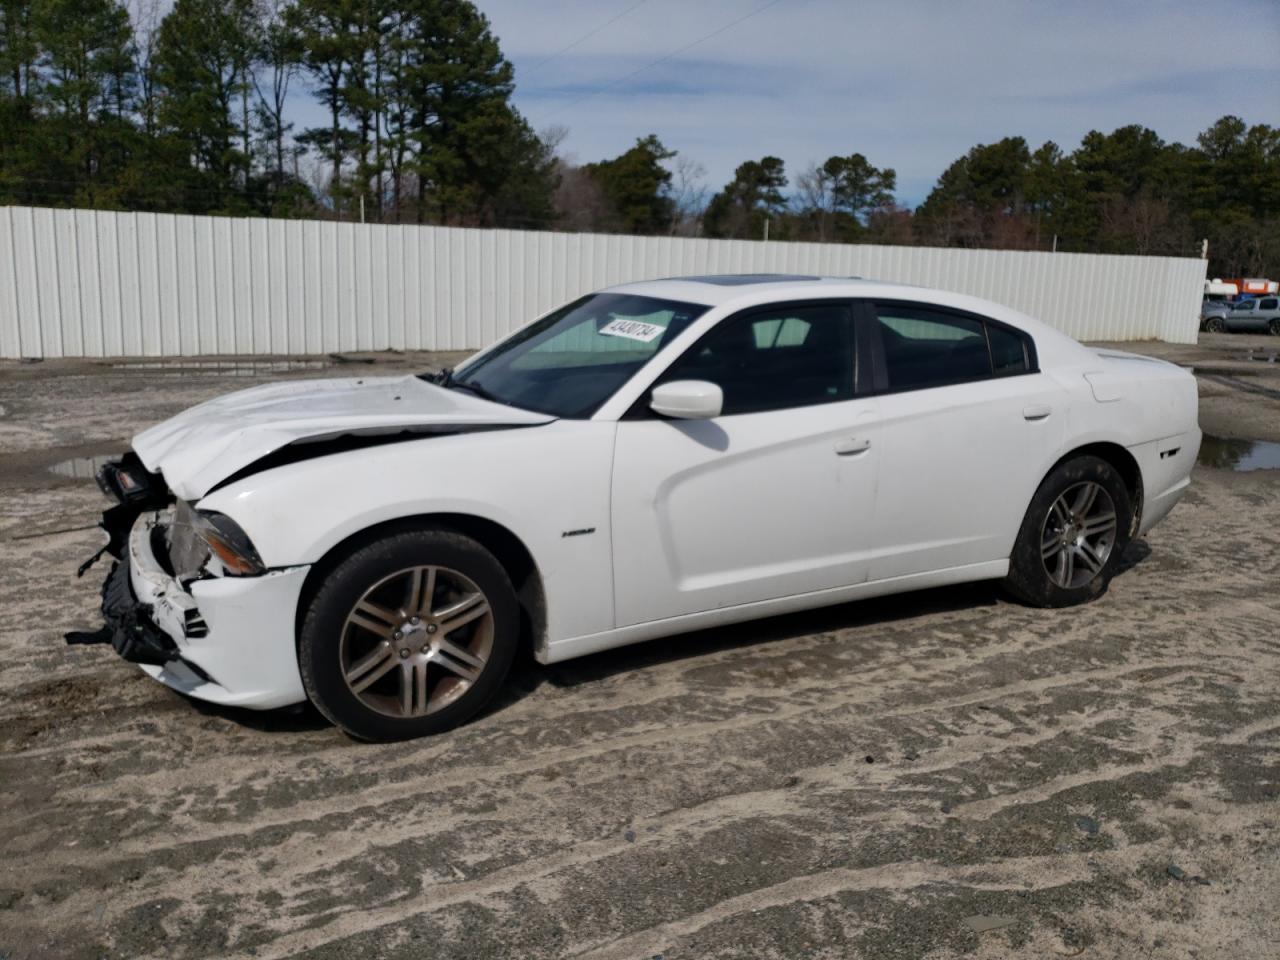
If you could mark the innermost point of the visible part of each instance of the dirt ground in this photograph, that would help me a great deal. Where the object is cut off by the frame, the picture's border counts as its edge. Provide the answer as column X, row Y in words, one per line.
column 937, row 775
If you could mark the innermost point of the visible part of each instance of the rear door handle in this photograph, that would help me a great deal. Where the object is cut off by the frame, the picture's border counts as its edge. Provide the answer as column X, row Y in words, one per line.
column 852, row 446
column 1037, row 411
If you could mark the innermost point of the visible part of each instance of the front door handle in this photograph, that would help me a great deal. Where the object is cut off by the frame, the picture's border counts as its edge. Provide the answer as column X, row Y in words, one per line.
column 852, row 446
column 1037, row 411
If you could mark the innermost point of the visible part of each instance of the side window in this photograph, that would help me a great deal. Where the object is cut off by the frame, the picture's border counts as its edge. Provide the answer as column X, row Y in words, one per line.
column 1269, row 304
column 928, row 348
column 785, row 356
column 1008, row 351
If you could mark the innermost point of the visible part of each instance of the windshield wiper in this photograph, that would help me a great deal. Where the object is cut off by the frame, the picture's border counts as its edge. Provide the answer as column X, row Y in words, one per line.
column 445, row 379
column 474, row 388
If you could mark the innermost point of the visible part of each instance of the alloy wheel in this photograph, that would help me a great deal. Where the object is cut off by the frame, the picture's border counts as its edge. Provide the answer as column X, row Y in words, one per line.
column 1274, row 327
column 1078, row 535
column 416, row 641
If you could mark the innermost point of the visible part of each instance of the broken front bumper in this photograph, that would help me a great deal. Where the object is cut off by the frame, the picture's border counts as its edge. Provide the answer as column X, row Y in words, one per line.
column 228, row 640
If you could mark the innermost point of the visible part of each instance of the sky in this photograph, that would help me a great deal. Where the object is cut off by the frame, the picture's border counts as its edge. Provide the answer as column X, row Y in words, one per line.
column 911, row 84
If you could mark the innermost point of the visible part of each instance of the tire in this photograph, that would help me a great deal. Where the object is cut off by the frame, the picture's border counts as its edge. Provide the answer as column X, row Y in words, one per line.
column 1214, row 325
column 1274, row 326
column 394, row 643
column 1058, row 526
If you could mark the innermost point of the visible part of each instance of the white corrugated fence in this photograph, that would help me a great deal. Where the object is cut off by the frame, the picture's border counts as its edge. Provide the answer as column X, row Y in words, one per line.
column 89, row 283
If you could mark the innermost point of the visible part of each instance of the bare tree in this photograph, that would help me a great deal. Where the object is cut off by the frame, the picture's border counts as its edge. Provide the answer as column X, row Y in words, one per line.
column 579, row 200
column 815, row 202
column 688, row 196
column 890, row 225
column 554, row 137
column 1003, row 230
column 1139, row 224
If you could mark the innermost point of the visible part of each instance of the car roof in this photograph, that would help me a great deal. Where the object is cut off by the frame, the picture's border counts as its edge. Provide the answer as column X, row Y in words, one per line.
column 715, row 289
column 761, row 289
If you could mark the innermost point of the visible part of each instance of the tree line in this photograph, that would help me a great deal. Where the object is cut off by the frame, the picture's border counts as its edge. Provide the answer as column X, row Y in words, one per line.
column 102, row 106
column 108, row 106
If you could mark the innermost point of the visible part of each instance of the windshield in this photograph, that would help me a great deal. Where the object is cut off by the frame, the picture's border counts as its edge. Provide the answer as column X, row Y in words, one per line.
column 571, row 361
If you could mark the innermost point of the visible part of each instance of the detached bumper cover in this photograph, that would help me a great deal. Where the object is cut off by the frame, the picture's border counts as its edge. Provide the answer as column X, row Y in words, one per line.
column 128, row 623
column 227, row 640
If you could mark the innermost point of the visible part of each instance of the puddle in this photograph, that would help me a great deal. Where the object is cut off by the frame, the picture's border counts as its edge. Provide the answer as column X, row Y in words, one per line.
column 81, row 468
column 1239, row 455
column 223, row 368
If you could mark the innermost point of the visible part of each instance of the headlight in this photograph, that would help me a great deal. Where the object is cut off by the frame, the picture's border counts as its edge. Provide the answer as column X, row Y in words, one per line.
column 228, row 542
column 127, row 481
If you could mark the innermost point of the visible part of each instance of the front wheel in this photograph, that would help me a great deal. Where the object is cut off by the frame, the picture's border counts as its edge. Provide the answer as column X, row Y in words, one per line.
column 409, row 635
column 1071, row 538
column 1214, row 325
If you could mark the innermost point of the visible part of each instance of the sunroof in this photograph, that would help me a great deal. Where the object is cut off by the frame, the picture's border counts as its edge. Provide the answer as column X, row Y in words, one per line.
column 746, row 279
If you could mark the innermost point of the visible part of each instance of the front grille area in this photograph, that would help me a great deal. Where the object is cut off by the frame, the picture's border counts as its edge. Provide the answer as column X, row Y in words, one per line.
column 186, row 551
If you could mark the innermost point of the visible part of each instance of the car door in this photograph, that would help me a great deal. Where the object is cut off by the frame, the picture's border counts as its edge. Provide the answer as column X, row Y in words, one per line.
column 967, row 427
column 770, row 499
column 1242, row 316
column 1268, row 310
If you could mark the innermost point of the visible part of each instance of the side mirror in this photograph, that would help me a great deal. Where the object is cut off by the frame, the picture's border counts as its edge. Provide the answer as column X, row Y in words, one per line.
column 687, row 399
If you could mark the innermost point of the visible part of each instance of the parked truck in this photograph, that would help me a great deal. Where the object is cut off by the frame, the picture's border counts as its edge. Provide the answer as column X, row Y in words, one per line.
column 1254, row 286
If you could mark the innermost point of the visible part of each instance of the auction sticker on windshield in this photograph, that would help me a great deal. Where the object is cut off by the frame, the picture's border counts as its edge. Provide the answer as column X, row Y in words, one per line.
column 633, row 330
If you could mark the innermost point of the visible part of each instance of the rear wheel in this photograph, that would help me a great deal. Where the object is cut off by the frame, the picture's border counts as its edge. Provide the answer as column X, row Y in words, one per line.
column 1071, row 538
column 1274, row 327
column 410, row 635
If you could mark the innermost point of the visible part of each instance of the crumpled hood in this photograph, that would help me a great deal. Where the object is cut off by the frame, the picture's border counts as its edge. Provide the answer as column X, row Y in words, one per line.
column 204, row 445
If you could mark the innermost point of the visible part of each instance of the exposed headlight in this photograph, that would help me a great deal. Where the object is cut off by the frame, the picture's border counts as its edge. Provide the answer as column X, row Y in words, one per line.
column 228, row 542
column 127, row 481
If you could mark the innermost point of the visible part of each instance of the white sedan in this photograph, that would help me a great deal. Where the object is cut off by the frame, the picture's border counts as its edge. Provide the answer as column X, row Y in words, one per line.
column 647, row 460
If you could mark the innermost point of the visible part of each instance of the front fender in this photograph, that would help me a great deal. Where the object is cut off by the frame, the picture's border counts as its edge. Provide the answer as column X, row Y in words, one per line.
column 539, row 483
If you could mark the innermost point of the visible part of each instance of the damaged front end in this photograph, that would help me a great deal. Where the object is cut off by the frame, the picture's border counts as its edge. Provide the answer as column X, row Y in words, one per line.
column 188, row 598
column 128, row 627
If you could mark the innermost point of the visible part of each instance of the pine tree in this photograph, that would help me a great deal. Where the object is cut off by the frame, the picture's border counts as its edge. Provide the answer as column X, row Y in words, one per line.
column 752, row 196
column 637, row 186
column 84, row 84
column 474, row 159
column 277, row 59
column 18, row 49
column 203, row 59
column 324, row 29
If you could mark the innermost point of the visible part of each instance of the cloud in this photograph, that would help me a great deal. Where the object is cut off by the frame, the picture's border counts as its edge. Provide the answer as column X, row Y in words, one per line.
column 910, row 83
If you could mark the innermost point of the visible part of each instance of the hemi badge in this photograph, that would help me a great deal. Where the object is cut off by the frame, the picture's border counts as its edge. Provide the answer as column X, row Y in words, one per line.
column 578, row 533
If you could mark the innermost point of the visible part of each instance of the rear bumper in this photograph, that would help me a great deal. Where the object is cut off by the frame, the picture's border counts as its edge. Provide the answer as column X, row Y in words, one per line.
column 1166, row 474
column 228, row 640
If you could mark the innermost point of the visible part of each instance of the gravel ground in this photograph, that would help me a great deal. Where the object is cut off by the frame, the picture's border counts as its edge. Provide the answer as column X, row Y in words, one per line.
column 940, row 774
